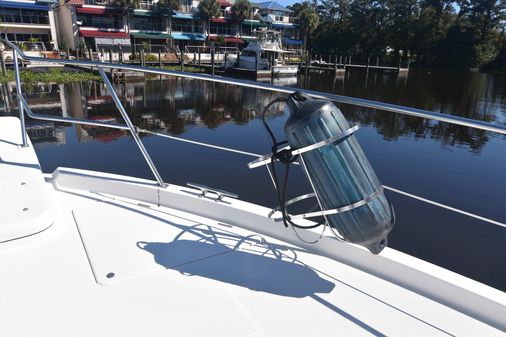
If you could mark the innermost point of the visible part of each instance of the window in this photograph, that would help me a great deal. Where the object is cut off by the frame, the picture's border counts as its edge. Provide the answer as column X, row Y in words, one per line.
column 248, row 53
column 181, row 25
column 247, row 29
column 101, row 21
column 148, row 23
column 219, row 28
column 32, row 41
column 198, row 27
column 28, row 16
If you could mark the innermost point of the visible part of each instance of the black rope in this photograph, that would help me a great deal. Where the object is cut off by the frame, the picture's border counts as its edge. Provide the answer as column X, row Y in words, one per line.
column 285, row 157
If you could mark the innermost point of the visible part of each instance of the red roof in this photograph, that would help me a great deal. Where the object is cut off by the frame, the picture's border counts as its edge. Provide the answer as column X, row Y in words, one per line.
column 98, row 10
column 109, row 136
column 98, row 33
column 223, row 20
column 76, row 2
column 227, row 39
column 224, row 3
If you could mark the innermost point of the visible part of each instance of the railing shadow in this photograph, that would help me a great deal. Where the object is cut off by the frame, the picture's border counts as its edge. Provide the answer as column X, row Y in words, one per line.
column 249, row 262
column 244, row 262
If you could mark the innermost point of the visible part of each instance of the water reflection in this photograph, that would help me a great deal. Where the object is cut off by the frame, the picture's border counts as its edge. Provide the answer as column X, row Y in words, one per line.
column 177, row 105
column 404, row 151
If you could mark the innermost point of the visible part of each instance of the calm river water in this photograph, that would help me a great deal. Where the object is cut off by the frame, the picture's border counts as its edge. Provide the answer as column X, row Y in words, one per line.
column 457, row 166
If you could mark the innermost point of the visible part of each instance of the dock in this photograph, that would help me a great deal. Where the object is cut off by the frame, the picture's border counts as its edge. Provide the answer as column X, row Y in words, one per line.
column 312, row 63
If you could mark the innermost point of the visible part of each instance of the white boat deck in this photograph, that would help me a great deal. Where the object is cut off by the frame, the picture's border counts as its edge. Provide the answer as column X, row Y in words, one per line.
column 115, row 265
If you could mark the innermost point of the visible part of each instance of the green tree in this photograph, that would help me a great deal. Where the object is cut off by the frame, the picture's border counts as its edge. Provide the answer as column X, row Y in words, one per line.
column 241, row 10
column 486, row 17
column 367, row 28
column 431, row 28
column 209, row 9
column 169, row 5
column 399, row 21
column 127, row 6
column 308, row 18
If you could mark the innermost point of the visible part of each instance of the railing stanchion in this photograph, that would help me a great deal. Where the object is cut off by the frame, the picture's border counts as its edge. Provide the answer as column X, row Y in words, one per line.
column 18, row 91
column 132, row 128
column 360, row 102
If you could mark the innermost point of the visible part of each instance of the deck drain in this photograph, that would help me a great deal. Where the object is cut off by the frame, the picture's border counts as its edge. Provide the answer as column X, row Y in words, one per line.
column 23, row 183
column 25, row 209
column 110, row 275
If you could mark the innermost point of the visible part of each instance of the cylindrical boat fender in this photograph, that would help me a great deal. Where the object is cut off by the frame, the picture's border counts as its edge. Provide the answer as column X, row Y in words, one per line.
column 339, row 172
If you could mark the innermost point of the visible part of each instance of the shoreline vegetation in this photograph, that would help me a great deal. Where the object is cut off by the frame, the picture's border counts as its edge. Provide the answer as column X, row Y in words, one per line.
column 31, row 78
column 448, row 34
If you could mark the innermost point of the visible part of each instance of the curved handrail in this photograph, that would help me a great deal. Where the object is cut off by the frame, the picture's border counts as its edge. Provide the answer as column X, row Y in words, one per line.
column 287, row 90
column 23, row 105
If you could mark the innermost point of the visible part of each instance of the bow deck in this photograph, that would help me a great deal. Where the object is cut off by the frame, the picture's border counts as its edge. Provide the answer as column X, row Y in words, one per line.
column 125, row 257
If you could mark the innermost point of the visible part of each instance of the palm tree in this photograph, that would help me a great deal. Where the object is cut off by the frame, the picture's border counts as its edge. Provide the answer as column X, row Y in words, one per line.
column 127, row 5
column 308, row 18
column 169, row 6
column 209, row 9
column 241, row 10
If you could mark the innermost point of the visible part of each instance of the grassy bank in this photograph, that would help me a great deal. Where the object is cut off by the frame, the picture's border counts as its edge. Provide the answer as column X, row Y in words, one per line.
column 188, row 69
column 52, row 76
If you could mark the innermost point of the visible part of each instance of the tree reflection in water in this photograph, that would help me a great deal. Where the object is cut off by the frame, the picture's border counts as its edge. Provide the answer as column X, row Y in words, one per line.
column 403, row 150
column 175, row 105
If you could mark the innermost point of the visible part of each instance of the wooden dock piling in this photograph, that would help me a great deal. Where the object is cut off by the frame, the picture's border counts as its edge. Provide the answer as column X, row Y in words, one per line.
column 212, row 58
column 182, row 59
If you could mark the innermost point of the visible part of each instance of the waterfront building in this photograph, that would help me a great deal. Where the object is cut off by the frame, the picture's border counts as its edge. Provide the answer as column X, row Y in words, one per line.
column 281, row 19
column 31, row 24
column 96, row 24
column 102, row 25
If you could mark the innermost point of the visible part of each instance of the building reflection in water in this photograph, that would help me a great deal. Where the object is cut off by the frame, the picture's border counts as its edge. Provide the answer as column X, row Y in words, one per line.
column 176, row 105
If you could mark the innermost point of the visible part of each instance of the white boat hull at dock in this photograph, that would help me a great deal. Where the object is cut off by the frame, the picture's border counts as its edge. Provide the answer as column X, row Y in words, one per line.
column 285, row 71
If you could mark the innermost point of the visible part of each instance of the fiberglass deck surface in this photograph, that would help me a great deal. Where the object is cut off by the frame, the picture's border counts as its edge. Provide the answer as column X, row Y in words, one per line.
column 111, row 267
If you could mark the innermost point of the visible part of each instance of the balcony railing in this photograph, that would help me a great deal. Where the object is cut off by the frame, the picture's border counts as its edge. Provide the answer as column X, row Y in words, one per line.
column 86, row 20
column 17, row 16
column 31, row 46
column 99, row 2
column 153, row 48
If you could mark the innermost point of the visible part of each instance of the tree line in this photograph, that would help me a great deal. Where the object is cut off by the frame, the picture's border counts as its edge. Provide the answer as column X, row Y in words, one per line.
column 428, row 33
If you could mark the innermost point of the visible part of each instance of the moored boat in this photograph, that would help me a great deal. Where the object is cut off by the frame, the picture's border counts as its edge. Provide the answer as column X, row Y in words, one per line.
column 265, row 53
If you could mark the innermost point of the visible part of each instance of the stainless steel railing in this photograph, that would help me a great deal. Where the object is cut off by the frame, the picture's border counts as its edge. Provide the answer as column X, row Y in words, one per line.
column 24, row 107
column 281, row 89
column 17, row 53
